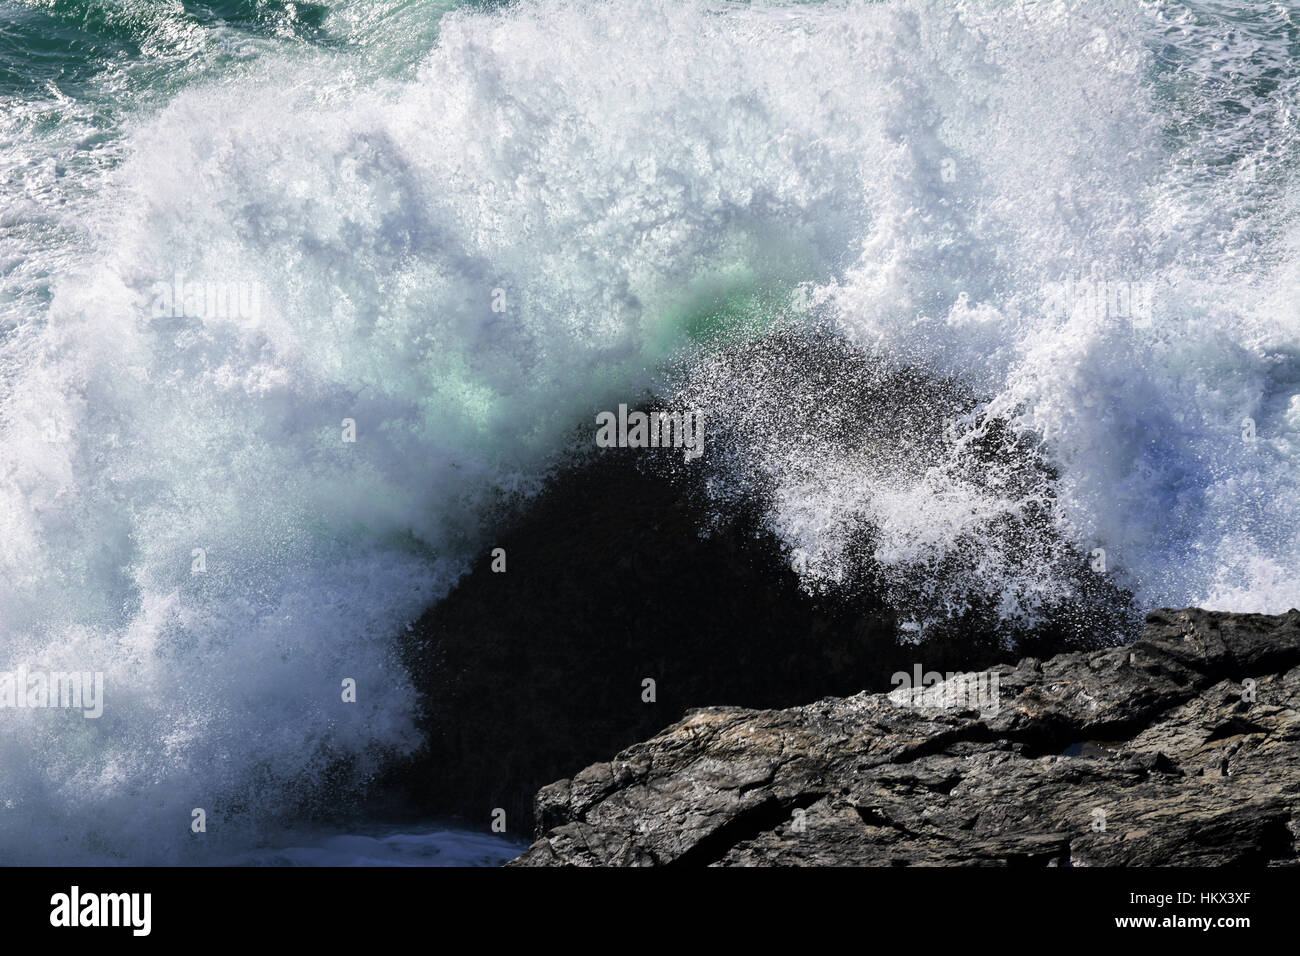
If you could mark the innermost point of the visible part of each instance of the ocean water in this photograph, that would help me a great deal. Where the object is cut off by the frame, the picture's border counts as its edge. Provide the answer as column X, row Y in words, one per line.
column 387, row 845
column 454, row 232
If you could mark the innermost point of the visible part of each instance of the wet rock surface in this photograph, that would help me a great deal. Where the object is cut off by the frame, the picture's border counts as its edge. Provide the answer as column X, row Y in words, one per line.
column 1182, row 748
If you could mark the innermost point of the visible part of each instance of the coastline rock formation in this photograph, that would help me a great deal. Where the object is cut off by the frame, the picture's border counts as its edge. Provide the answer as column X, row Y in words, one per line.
column 616, row 575
column 635, row 583
column 1182, row 748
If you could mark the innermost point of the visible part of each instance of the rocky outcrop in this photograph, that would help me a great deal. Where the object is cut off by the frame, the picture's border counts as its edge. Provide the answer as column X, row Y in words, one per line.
column 616, row 575
column 531, row 673
column 1182, row 748
column 634, row 565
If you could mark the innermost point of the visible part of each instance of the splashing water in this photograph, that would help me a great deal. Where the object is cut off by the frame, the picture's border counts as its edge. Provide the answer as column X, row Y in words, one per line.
column 462, row 231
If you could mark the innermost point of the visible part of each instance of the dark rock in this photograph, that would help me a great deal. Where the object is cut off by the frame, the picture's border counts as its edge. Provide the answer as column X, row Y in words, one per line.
column 611, row 580
column 617, row 573
column 1159, row 739
column 635, row 564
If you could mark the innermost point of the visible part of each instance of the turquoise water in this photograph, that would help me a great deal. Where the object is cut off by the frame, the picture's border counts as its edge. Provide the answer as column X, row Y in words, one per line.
column 631, row 178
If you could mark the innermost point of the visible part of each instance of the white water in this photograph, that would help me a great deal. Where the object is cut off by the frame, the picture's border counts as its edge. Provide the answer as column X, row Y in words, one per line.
column 615, row 170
